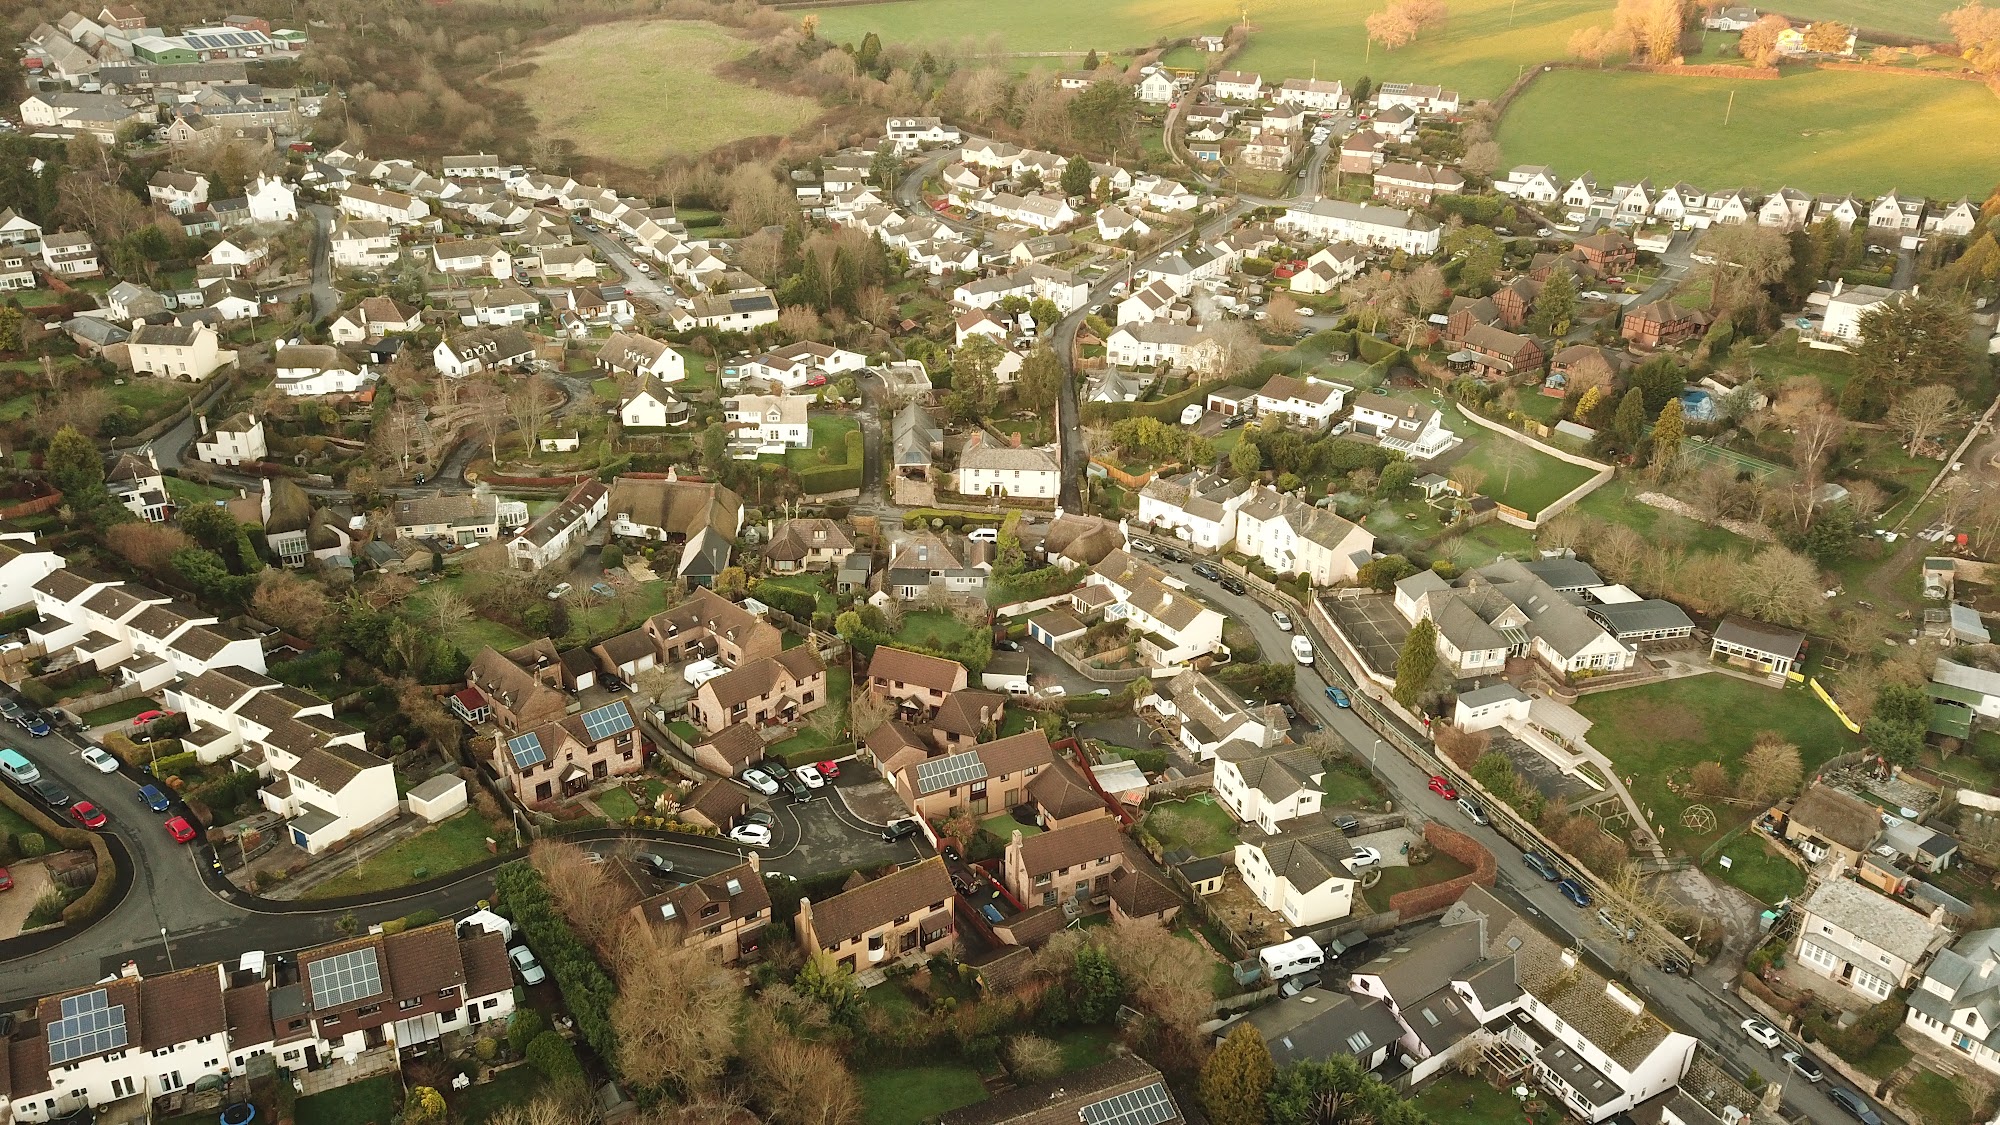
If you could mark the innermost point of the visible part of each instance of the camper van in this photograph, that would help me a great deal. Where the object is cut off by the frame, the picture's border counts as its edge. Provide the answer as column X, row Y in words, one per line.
column 1290, row 958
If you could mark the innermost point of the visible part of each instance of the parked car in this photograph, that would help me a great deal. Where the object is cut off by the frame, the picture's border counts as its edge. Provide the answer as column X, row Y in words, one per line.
column 1339, row 697
column 757, row 779
column 752, row 835
column 1207, row 570
column 1173, row 554
column 556, row 593
column 1230, row 583
column 146, row 718
column 658, row 865
column 1366, row 857
column 6, row 880
column 99, row 760
column 179, row 828
column 1283, row 619
column 760, row 816
column 1295, row 985
column 1144, row 545
column 153, row 798
column 1540, row 866
column 1443, row 788
column 1573, row 891
column 1345, row 821
column 809, row 776
column 1852, row 1103
column 901, row 829
column 1761, row 1033
column 1302, row 650
column 1007, row 646
column 796, row 785
column 53, row 795
column 88, row 815
column 525, row 964
column 1622, row 933
column 828, row 769
column 32, row 722
column 1802, row 1066
column 1473, row 810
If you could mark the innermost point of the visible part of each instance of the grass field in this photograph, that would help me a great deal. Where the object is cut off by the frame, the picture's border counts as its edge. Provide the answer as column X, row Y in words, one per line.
column 933, row 628
column 1658, row 732
column 615, row 112
column 516, row 1085
column 1535, row 481
column 1907, row 17
column 1481, row 49
column 1754, row 869
column 458, row 842
column 829, row 443
column 358, row 1103
column 1199, row 824
column 909, row 1095
column 1821, row 131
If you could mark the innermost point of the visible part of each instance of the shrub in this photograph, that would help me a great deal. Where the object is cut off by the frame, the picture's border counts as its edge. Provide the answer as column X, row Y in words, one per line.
column 612, row 556
column 47, row 909
column 585, row 986
column 522, row 1029
column 422, row 917
column 551, row 1054
column 486, row 1049
column 32, row 844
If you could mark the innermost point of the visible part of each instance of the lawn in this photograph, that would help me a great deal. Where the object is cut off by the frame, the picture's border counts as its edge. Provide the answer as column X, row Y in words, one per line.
column 1004, row 826
column 1488, row 541
column 616, row 803
column 1200, row 824
column 1516, row 474
column 1905, row 17
column 1454, row 1099
column 1617, row 502
column 813, row 585
column 371, row 1100
column 1757, row 871
column 931, row 628
column 829, row 443
column 517, row 1085
column 915, row 1094
column 118, row 712
column 1348, row 787
column 806, row 746
column 454, row 844
column 1083, row 1046
column 607, row 389
column 603, row 619
column 1395, row 880
column 613, row 112
column 700, row 373
column 151, row 397
column 1483, row 48
column 1937, row 1100
column 1821, row 131
column 1662, row 730
column 189, row 493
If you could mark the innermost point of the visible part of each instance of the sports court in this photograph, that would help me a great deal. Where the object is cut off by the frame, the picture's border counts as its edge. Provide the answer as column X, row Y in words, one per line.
column 1373, row 626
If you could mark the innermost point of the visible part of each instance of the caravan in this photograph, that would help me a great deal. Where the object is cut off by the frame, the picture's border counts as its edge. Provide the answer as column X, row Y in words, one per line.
column 1290, row 958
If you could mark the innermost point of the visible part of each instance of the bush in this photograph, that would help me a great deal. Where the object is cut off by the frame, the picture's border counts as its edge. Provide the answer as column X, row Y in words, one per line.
column 486, row 1049
column 47, row 909
column 612, row 556
column 522, row 1029
column 835, row 478
column 551, row 1054
column 422, row 917
column 32, row 845
column 586, row 988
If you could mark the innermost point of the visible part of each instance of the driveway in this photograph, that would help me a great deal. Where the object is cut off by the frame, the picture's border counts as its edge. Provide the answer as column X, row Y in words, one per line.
column 31, row 882
column 820, row 835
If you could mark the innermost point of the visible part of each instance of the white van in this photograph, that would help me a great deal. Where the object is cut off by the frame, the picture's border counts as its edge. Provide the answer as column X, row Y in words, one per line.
column 1019, row 688
column 1291, row 958
column 18, row 769
column 984, row 535
column 1302, row 650
column 1193, row 413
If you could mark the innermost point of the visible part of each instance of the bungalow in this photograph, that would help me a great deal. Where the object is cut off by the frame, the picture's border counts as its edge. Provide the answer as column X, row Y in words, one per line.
column 1786, row 209
column 906, row 914
column 1012, row 471
column 364, row 202
column 1317, row 1024
column 1958, row 220
column 1414, row 430
column 503, row 304
column 482, row 349
column 922, row 564
column 1769, row 649
column 1427, row 100
column 1825, row 821
column 551, row 535
column 480, row 256
column 192, row 352
column 735, row 312
column 1895, row 212
column 1114, row 223
column 459, row 518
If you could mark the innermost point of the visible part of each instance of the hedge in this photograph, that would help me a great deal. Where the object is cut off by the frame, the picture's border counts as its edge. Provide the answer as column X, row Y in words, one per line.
column 586, row 988
column 1168, row 409
column 94, row 901
column 836, row 478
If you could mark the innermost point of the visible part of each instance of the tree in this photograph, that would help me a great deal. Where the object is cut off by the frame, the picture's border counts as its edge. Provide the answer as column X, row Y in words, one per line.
column 1104, row 114
column 589, row 899
column 1281, row 313
column 1481, row 159
column 1759, row 43
column 884, row 167
column 1710, row 779
column 1780, row 586
column 1743, row 259
column 1416, row 664
column 675, row 1014
column 1594, row 44
column 1039, row 381
column 1077, row 178
column 1816, row 430
column 801, row 1083
column 1246, row 460
column 1096, row 987
column 1922, row 412
column 74, row 467
column 1397, row 477
column 10, row 330
column 1828, row 37
column 1915, row 340
column 1236, row 1078
column 1090, row 60
column 1555, row 305
column 1896, row 727
column 1336, row 1091
column 447, row 610
column 1668, row 430
column 424, row 1106
column 1031, row 1058
column 1771, row 770
column 1976, row 30
column 973, row 366
column 1237, row 348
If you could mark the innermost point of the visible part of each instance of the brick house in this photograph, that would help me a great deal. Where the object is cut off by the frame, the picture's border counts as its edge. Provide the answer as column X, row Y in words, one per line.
column 1497, row 352
column 965, row 719
column 724, row 913
column 1466, row 312
column 774, row 689
column 914, row 678
column 519, row 694
column 1662, row 324
column 1515, row 301
column 1610, row 252
column 710, row 625
column 728, row 750
column 571, row 754
column 990, row 777
column 1063, row 797
column 904, row 914
column 1074, row 863
column 715, row 803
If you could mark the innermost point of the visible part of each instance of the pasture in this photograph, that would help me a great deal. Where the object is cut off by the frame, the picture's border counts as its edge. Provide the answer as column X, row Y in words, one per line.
column 1820, row 131
column 1904, row 17
column 662, row 98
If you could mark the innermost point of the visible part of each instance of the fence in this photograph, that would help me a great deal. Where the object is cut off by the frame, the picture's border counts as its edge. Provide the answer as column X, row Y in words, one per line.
column 32, row 507
column 1509, row 515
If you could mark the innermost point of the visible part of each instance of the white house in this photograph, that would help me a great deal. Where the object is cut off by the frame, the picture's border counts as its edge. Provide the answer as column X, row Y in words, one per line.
column 476, row 256
column 1536, row 183
column 70, row 254
column 364, row 202
column 990, row 470
column 1413, row 429
column 1157, row 193
column 562, row 527
column 236, row 440
column 1198, row 507
column 1300, row 875
column 364, row 244
column 372, row 318
column 908, row 134
column 1156, row 88
column 1958, row 1002
column 1150, row 345
column 1114, row 223
column 1241, row 86
column 1841, row 327
column 1171, row 624
column 804, row 364
column 271, row 200
column 481, row 349
column 642, row 356
column 1336, row 220
column 1311, row 93
column 1293, row 537
column 22, row 564
column 179, row 192
column 1786, row 209
column 767, row 423
column 177, row 351
column 1150, row 303
column 1500, row 704
column 1425, row 100
column 1329, row 268
column 1210, row 716
column 317, row 369
column 1894, row 212
column 1263, row 786
column 651, row 406
column 503, row 304
column 1310, row 403
column 1958, row 220
column 735, row 312
column 478, row 166
column 1506, row 609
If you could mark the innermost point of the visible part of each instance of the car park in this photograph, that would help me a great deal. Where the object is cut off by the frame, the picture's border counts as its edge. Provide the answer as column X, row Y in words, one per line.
column 1855, row 1107
column 1473, row 811
column 88, row 815
column 809, row 776
column 523, row 960
column 1283, row 619
column 1802, row 1066
column 179, row 828
column 1443, row 788
column 757, row 779
column 1339, row 697
column 1540, row 866
column 1761, row 1033
column 99, row 760
column 153, row 798
column 1574, row 892
column 52, row 795
column 752, row 835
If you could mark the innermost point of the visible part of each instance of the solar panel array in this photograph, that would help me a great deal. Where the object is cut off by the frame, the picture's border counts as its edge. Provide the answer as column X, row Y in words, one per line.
column 526, row 750
column 607, row 721
column 90, row 1025
column 943, row 773
column 344, row 978
column 223, row 38
column 1147, row 1105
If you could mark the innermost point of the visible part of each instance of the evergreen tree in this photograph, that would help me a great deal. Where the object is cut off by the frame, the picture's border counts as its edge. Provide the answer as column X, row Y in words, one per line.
column 1555, row 305
column 1417, row 663
column 1588, row 404
column 1336, row 1091
column 75, row 468
column 884, row 167
column 1097, row 989
column 1895, row 729
column 1236, row 1077
column 1040, row 381
column 1667, row 433
column 1077, row 178
column 1090, row 60
column 1630, row 422
column 870, row 53
column 1246, row 460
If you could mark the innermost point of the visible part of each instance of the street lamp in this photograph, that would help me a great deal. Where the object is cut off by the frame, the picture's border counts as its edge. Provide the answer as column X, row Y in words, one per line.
column 168, row 946
column 1371, row 753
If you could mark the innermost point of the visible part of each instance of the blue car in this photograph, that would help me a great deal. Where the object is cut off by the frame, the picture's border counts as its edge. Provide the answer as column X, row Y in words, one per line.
column 35, row 725
column 155, row 800
column 1540, row 866
column 1339, row 697
column 992, row 913
column 1573, row 891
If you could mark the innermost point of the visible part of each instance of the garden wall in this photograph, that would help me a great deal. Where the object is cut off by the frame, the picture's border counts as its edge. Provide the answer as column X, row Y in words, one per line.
column 1519, row 519
column 1423, row 901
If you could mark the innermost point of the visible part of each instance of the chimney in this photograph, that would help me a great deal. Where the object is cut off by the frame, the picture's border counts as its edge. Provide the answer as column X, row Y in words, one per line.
column 1014, row 441
column 1838, row 284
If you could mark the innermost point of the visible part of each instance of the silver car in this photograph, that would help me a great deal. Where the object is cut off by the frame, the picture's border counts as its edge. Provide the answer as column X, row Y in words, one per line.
column 526, row 965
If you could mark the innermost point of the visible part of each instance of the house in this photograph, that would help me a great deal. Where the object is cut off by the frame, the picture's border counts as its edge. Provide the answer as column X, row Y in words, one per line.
column 806, row 544
column 923, row 564
column 600, row 304
column 1609, row 252
column 1263, row 784
column 1011, row 471
column 1958, row 220
column 460, row 518
column 364, row 244
column 1786, row 209
column 1536, row 183
column 318, row 369
column 901, row 915
column 570, row 754
column 1073, row 864
column 1124, row 1091
column 642, row 356
column 725, row 913
column 1827, row 822
column 1336, row 220
column 1847, row 305
column 1299, row 872
column 1208, row 716
column 728, row 750
column 1114, row 223
column 236, row 440
column 1730, row 19
column 482, row 349
column 22, row 565
column 1317, row 1024
column 137, row 483
column 371, row 203
column 710, row 627
column 1291, row 536
column 673, row 511
column 735, row 312
column 911, row 134
column 479, row 256
column 551, row 535
column 1198, row 507
column 1502, row 610
column 1662, row 324
column 804, row 364
column 989, row 777
column 1171, row 625
column 1410, row 428
column 503, row 304
column 1497, row 354
column 1955, row 1004
column 228, row 299
column 1237, row 85
column 652, row 406
column 178, row 192
column 372, row 318
column 1396, row 122
column 1156, row 88
column 1894, row 212
column 1311, row 93
column 779, row 689
column 68, row 114
column 913, row 679
column 1865, row 940
column 126, row 301
column 1310, row 403
column 329, row 789
column 177, row 351
column 1152, row 344
column 762, row 424
column 1426, row 100
column 1647, row 619
column 1770, row 649
column 70, row 254
column 1497, row 705
column 1417, row 183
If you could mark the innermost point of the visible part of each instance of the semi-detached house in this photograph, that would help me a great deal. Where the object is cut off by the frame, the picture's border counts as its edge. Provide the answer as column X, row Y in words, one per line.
column 131, row 634
column 990, row 777
column 1265, row 783
column 724, row 913
column 1198, row 507
column 773, row 690
column 1293, row 537
column 550, row 535
column 1074, row 864
column 905, row 914
column 570, row 754
column 1299, row 871
column 1336, row 220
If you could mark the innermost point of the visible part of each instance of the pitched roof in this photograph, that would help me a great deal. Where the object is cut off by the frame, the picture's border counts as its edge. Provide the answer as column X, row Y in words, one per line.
column 878, row 902
column 1063, row 1101
column 899, row 665
column 1846, row 820
column 1077, row 844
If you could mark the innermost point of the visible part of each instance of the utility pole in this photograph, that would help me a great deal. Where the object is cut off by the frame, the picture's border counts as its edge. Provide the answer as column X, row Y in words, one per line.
column 1731, row 109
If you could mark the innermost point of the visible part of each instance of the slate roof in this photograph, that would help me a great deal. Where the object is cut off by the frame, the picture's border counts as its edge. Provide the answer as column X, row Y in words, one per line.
column 878, row 902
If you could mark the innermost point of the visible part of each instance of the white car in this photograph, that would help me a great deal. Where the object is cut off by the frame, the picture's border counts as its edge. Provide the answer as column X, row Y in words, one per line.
column 759, row 780
column 1283, row 619
column 1365, row 857
column 1054, row 691
column 755, row 835
column 810, row 775
column 1304, row 312
column 99, row 760
column 526, row 965
column 1302, row 650
column 1761, row 1033
column 556, row 594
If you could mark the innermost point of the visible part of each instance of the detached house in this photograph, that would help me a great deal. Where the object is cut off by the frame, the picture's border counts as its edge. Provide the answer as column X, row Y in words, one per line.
column 1264, row 785
column 70, row 254
column 1074, row 864
column 1310, row 403
column 551, row 535
column 986, row 469
column 570, row 754
column 1172, row 626
column 724, row 913
column 177, row 351
column 318, row 369
column 363, row 202
column 1662, row 324
column 641, row 355
column 1957, row 1004
column 236, row 440
column 913, row 679
column 900, row 915
column 1415, row 430
column 806, row 544
column 1210, row 716
column 179, row 192
column 482, row 349
column 776, row 689
column 1862, row 939
column 1293, row 537
column 652, row 406
column 1300, row 872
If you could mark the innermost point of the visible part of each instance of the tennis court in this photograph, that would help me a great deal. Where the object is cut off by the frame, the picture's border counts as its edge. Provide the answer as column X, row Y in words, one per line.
column 1708, row 453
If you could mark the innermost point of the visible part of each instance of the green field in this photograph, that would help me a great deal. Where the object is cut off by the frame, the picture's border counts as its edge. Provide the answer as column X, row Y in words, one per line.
column 1757, row 871
column 829, row 443
column 1906, row 17
column 910, row 1095
column 453, row 844
column 1820, row 131
column 1199, row 824
column 615, row 112
column 1481, row 49
column 1535, row 481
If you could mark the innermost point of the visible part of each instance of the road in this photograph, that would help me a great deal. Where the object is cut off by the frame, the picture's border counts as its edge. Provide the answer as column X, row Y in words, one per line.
column 325, row 298
column 1682, row 1002
column 646, row 285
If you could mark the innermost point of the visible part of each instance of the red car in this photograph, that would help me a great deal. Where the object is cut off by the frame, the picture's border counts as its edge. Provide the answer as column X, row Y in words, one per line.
column 180, row 829
column 6, row 880
column 1443, row 788
column 145, row 717
column 88, row 815
column 828, row 770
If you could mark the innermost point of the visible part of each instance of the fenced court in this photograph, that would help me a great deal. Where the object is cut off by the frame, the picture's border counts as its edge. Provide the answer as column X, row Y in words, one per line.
column 1708, row 453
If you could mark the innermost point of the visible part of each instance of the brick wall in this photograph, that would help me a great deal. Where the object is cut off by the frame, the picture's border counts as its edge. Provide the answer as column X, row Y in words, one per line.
column 1422, row 901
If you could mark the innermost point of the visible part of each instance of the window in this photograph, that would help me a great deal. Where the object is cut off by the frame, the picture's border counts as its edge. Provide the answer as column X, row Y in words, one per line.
column 406, row 1005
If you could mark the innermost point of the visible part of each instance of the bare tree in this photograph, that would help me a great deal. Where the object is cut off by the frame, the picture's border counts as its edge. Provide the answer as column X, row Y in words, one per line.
column 591, row 901
column 526, row 404
column 1920, row 413
column 1031, row 1058
column 1771, row 770
column 1425, row 287
column 1238, row 348
column 1816, row 429
column 1510, row 457
column 800, row 1083
column 447, row 610
column 489, row 410
column 1743, row 259
column 1282, row 314
column 1168, row 975
column 1780, row 586
column 676, row 1010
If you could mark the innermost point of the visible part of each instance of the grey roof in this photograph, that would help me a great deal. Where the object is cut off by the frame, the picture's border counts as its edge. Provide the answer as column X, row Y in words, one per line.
column 915, row 433
column 1502, row 692
column 1428, row 962
column 1564, row 574
column 1971, row 679
column 1874, row 917
column 1758, row 636
column 1317, row 1023
column 1421, row 583
column 1307, row 858
column 1627, row 618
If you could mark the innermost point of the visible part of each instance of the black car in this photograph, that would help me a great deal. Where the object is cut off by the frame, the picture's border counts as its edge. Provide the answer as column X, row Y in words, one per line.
column 660, row 866
column 53, row 795
column 899, row 829
column 1230, row 584
column 1007, row 646
column 1852, row 1103
column 1173, row 554
column 1345, row 821
column 1207, row 570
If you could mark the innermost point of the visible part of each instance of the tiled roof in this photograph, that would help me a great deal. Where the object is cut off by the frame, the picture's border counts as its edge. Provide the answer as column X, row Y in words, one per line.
column 925, row 671
column 1068, row 847
column 878, row 902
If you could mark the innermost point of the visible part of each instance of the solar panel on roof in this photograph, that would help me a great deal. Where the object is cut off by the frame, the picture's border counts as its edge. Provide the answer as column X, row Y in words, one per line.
column 607, row 721
column 526, row 750
column 90, row 1025
column 1147, row 1105
column 943, row 773
column 344, row 978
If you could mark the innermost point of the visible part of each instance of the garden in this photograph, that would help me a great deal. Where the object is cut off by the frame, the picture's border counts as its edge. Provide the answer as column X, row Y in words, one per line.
column 1512, row 472
column 448, row 846
column 1198, row 824
column 1756, row 869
